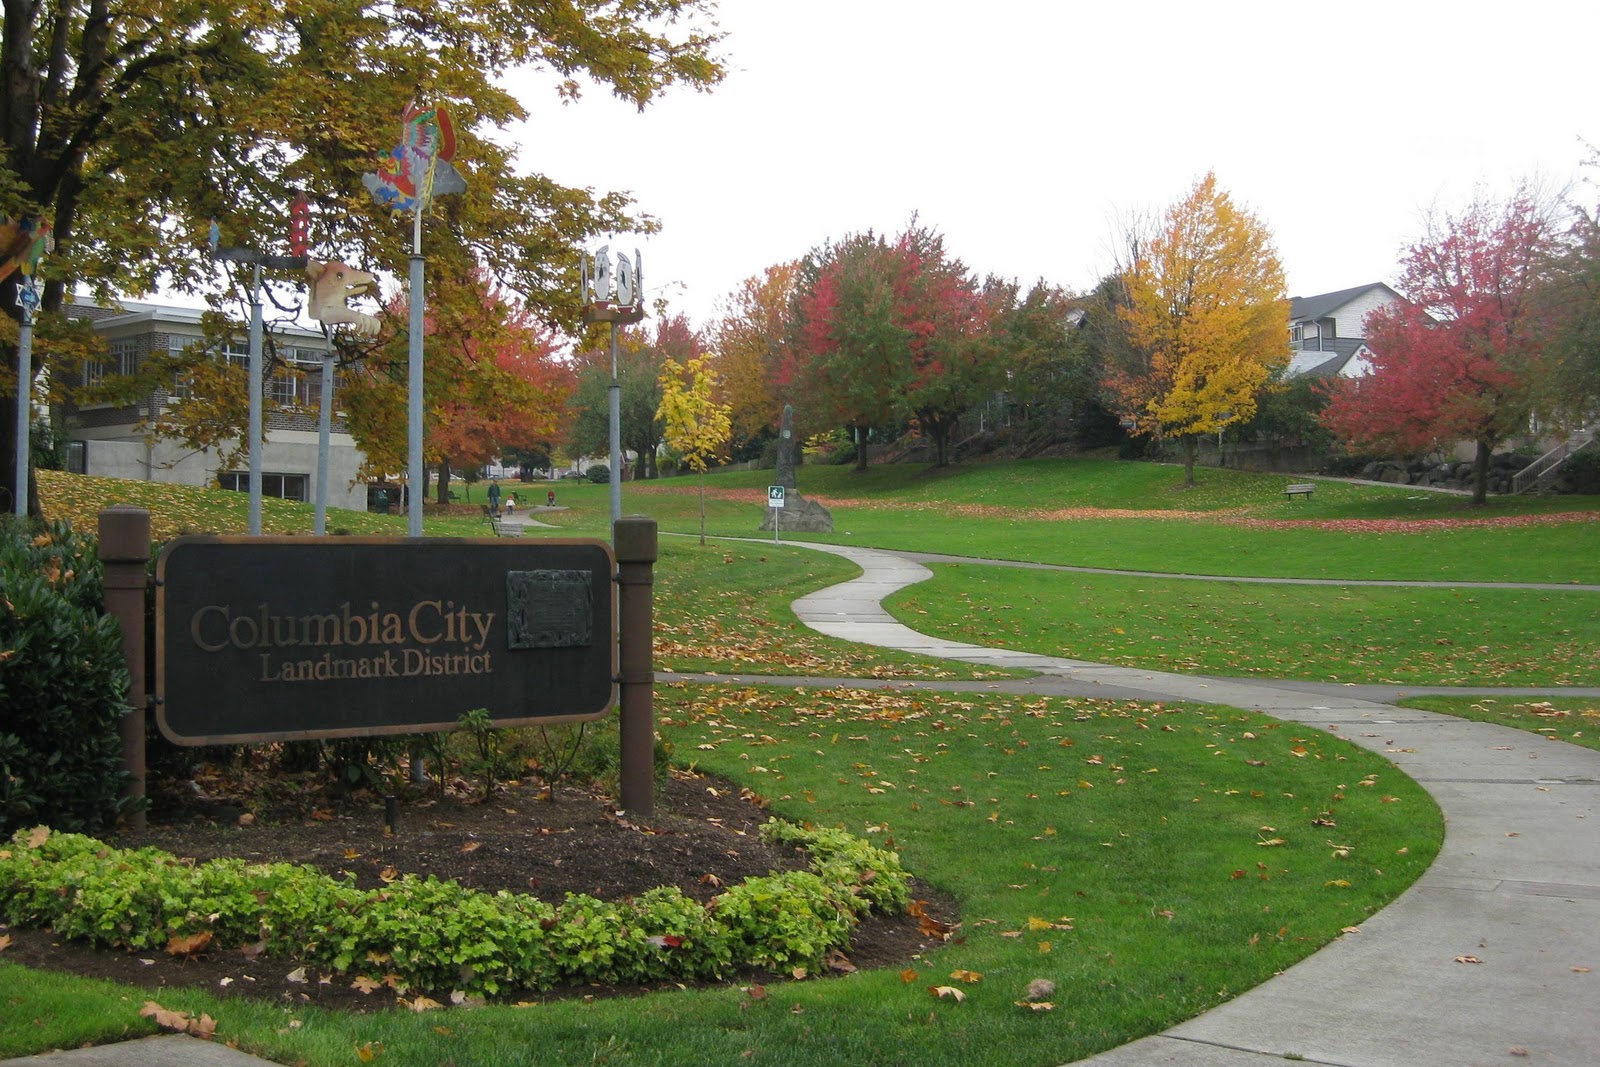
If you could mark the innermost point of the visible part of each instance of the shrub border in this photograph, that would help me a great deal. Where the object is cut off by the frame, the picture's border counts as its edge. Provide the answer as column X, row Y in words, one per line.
column 422, row 934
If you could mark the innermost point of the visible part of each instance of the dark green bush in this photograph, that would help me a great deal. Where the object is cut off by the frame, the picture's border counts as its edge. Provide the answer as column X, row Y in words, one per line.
column 63, row 684
column 1582, row 471
column 599, row 474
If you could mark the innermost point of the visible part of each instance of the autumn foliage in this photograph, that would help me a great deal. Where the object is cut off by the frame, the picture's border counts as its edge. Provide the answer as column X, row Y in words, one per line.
column 1206, row 317
column 490, row 381
column 1462, row 357
column 886, row 331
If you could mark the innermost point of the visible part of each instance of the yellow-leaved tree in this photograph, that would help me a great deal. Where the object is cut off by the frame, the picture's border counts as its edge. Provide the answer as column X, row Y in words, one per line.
column 693, row 424
column 1207, row 319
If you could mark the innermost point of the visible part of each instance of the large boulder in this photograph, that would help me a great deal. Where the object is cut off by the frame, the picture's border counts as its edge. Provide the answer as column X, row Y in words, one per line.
column 800, row 515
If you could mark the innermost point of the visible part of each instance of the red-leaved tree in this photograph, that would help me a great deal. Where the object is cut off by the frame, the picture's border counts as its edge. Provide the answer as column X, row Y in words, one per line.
column 884, row 331
column 1461, row 359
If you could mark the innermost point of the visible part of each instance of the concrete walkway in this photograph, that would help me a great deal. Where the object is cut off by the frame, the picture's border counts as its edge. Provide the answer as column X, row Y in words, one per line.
column 1516, row 885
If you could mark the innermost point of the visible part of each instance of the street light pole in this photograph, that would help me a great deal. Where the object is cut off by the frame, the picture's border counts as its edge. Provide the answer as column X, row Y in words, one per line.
column 621, row 308
column 27, row 299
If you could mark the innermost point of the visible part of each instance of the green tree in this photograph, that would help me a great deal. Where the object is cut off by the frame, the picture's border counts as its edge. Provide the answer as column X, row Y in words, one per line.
column 887, row 332
column 127, row 125
column 640, row 355
column 694, row 424
column 749, row 337
column 1207, row 317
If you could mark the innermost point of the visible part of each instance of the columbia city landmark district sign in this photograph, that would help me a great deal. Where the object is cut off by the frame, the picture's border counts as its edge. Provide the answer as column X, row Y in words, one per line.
column 292, row 637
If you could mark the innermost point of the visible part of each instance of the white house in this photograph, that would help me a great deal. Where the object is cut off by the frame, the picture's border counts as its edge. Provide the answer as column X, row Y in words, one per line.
column 110, row 440
column 1327, row 332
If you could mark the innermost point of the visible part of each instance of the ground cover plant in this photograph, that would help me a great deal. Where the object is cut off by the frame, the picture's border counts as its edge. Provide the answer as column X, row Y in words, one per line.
column 1575, row 720
column 1334, row 633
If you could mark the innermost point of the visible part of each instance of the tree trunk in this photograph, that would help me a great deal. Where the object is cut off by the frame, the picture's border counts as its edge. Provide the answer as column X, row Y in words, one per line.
column 1480, row 473
column 941, row 430
column 1191, row 451
column 861, row 449
column 444, row 481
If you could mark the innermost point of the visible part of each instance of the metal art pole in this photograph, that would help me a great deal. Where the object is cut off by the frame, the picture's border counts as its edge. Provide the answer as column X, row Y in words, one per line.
column 635, row 541
column 415, row 489
column 19, row 504
column 255, row 399
column 615, row 399
column 324, row 441
column 125, row 552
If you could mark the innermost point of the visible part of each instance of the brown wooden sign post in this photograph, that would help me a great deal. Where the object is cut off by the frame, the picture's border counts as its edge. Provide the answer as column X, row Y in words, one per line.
column 635, row 539
column 125, row 553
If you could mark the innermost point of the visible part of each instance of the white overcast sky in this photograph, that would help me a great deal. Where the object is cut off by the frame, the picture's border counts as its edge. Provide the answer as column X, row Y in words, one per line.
column 1026, row 131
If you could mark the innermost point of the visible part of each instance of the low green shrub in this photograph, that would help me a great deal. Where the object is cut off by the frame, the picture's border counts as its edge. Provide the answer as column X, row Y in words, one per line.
column 1582, row 471
column 438, row 935
column 63, row 684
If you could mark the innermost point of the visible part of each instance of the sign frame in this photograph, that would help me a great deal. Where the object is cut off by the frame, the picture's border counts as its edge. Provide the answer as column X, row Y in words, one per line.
column 530, row 664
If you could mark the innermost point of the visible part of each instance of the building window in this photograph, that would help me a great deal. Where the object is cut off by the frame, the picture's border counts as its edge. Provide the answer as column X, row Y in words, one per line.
column 122, row 357
column 1297, row 333
column 281, row 486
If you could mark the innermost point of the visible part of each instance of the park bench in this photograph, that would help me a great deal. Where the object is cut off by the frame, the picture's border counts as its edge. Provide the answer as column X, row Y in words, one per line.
column 502, row 528
column 1300, row 489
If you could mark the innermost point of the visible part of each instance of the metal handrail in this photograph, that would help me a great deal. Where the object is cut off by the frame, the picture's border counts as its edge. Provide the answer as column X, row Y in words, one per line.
column 1537, row 472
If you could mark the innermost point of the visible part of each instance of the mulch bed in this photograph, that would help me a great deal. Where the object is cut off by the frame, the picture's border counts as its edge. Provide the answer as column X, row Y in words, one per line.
column 703, row 836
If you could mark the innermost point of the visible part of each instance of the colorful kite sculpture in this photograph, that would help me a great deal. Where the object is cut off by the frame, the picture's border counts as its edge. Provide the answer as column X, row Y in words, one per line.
column 23, row 242
column 419, row 166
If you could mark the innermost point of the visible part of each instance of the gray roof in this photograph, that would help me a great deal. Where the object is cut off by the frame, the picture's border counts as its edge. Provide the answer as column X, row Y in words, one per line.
column 1324, row 362
column 1311, row 308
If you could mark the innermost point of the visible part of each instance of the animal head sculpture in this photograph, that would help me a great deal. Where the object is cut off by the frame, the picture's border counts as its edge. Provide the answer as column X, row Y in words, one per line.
column 333, row 286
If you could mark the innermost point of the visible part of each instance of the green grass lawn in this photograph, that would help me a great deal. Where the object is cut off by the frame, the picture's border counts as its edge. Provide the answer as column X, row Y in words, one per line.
column 1332, row 633
column 1149, row 861
column 1575, row 720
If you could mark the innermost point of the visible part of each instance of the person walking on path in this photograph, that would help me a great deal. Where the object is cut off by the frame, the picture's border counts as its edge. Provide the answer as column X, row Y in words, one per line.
column 494, row 498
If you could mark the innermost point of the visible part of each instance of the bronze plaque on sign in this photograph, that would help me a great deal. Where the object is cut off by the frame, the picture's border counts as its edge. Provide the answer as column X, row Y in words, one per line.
column 297, row 637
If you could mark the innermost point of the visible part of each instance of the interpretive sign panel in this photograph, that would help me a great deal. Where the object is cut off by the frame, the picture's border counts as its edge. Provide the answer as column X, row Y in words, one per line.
column 298, row 637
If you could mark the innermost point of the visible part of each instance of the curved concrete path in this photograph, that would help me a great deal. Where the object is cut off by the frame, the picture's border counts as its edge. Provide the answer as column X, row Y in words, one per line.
column 1516, row 885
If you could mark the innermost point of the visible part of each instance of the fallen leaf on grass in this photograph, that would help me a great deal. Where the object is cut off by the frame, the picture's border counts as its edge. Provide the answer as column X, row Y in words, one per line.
column 908, row 975
column 370, row 1051
column 950, row 991
column 421, row 1004
column 969, row 977
column 1035, row 1005
column 365, row 984
column 178, row 1021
